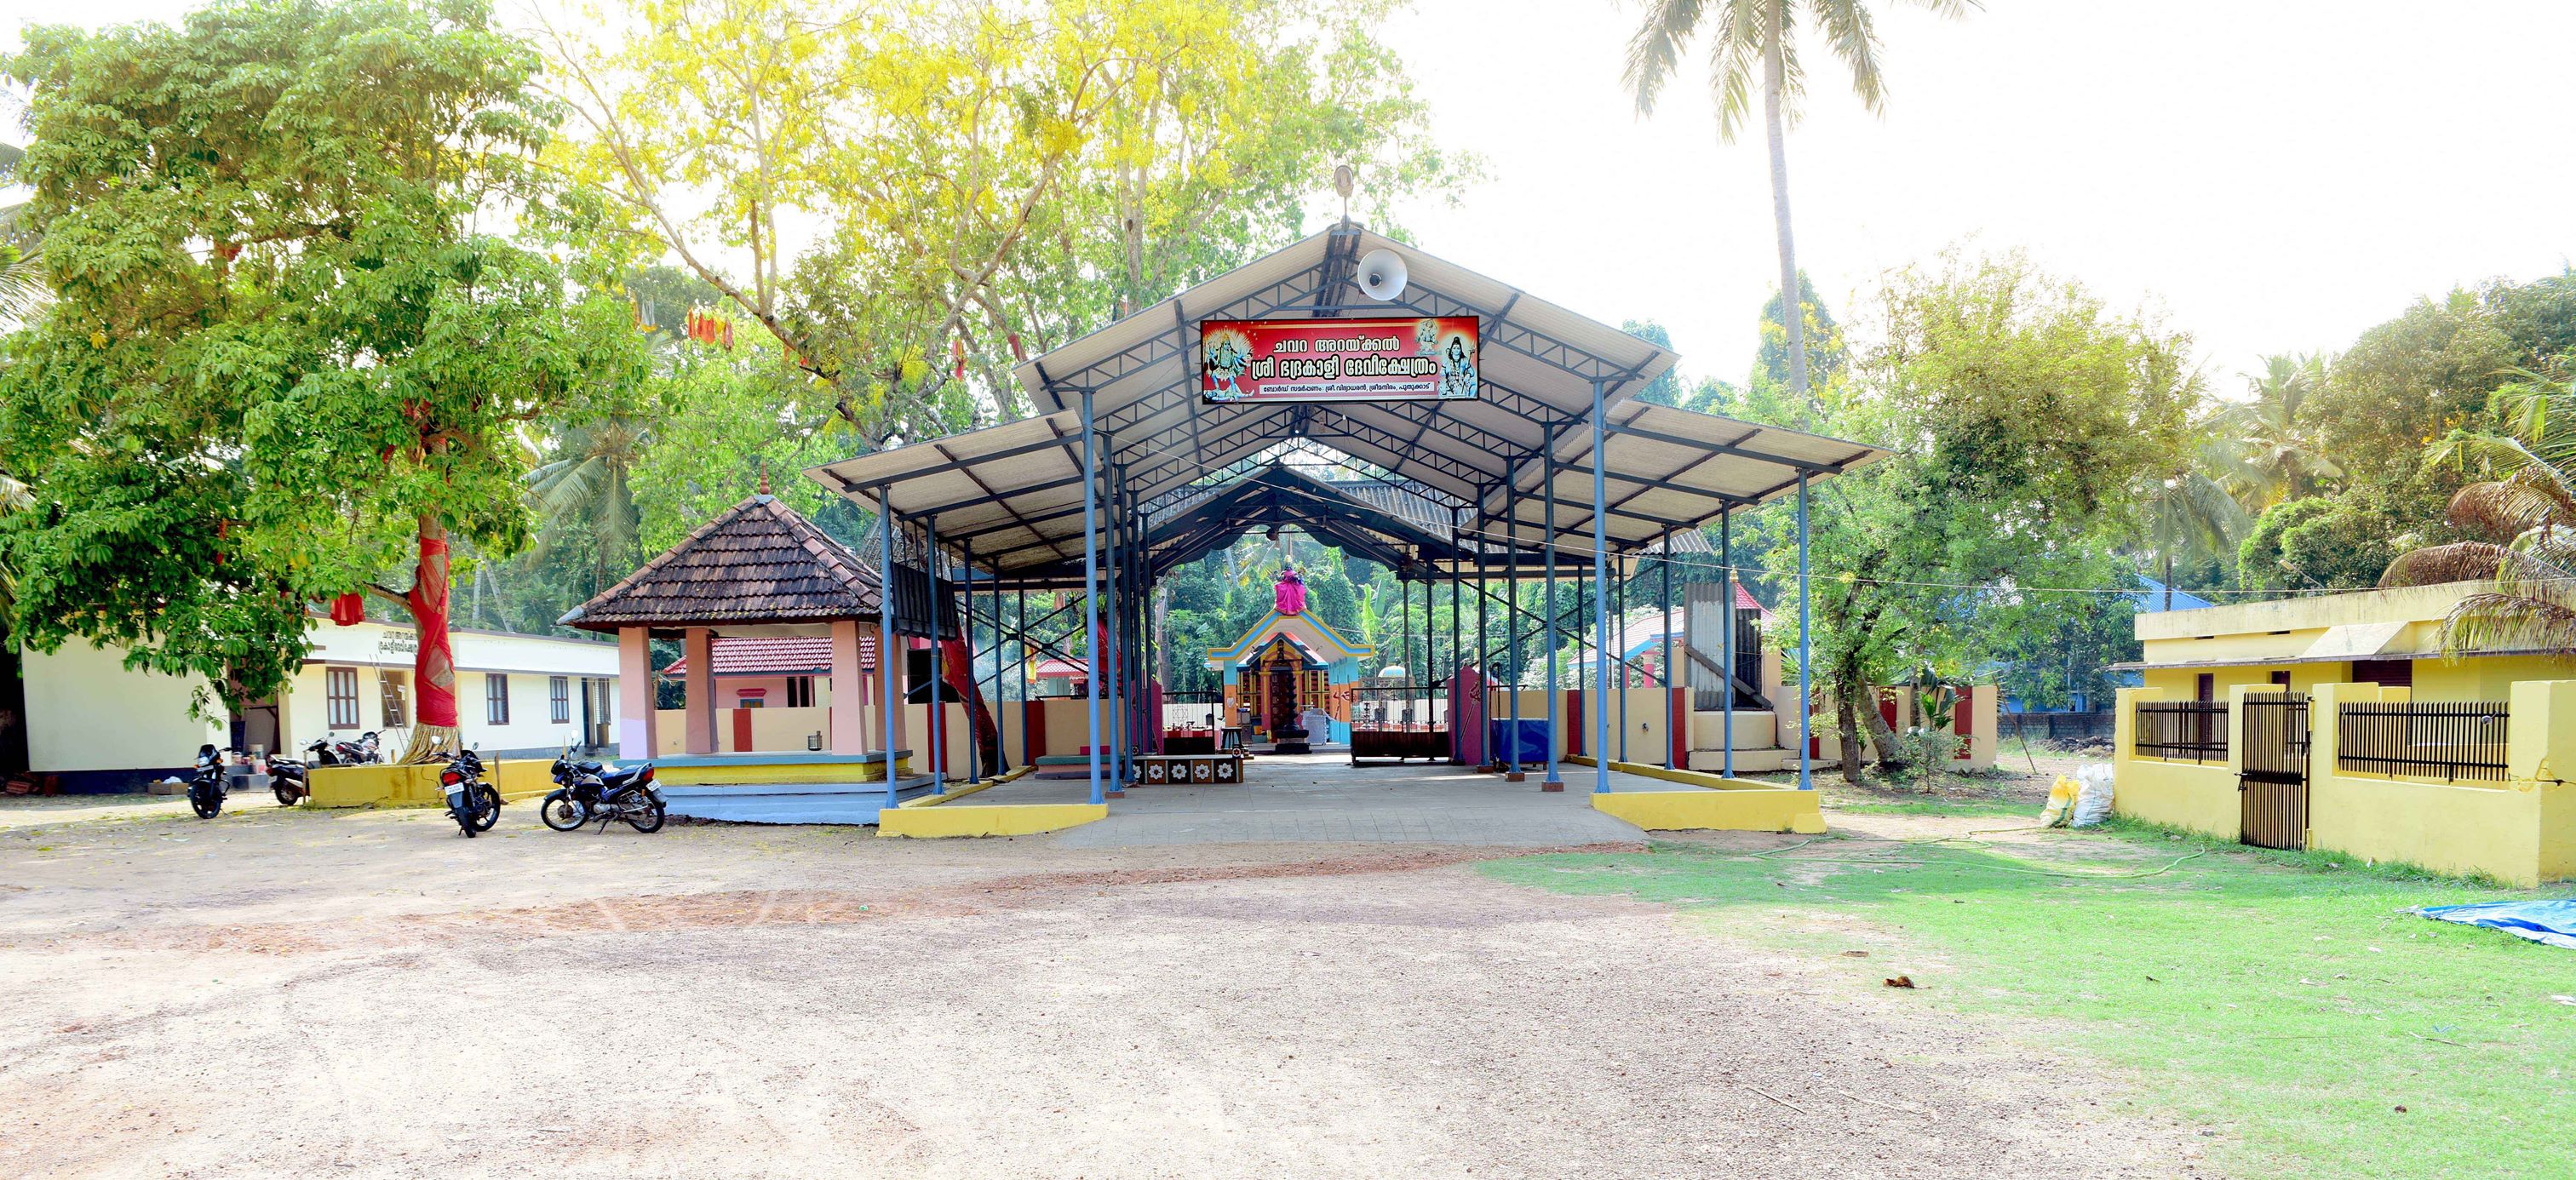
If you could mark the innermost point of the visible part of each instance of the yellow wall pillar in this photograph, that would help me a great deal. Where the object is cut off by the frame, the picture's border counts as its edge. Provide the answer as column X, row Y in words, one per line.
column 2540, row 755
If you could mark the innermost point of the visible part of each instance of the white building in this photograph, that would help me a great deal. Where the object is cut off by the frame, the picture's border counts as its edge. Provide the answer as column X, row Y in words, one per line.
column 99, row 727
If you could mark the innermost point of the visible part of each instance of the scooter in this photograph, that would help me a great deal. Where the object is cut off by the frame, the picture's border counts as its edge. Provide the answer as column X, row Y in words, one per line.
column 291, row 781
column 365, row 750
column 472, row 803
column 589, row 790
column 206, row 787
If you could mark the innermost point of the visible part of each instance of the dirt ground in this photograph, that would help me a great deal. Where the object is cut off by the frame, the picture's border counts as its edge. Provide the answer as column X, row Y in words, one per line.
column 368, row 994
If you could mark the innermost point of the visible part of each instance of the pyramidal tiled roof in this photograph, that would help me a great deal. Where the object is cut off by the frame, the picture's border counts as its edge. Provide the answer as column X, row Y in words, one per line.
column 758, row 563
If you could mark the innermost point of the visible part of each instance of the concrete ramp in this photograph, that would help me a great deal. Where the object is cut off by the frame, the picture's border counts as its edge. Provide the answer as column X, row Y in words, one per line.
column 788, row 803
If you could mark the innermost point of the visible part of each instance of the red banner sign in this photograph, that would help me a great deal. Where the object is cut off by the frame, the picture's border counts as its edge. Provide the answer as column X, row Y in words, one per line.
column 1337, row 360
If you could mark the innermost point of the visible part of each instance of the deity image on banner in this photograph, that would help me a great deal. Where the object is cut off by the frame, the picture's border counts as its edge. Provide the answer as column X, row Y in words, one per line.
column 1229, row 357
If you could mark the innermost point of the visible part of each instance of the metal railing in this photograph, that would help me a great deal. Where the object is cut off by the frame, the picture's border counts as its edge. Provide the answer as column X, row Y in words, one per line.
column 2440, row 741
column 2181, row 731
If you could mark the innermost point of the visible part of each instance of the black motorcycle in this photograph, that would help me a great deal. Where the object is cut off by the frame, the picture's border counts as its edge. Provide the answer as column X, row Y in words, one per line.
column 474, row 804
column 291, row 781
column 587, row 790
column 206, row 787
column 367, row 749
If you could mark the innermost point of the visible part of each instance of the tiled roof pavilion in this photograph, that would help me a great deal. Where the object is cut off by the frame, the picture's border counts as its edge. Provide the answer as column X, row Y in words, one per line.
column 758, row 570
column 759, row 563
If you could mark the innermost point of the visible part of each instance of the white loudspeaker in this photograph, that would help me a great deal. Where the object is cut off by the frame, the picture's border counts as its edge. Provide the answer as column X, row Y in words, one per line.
column 1382, row 275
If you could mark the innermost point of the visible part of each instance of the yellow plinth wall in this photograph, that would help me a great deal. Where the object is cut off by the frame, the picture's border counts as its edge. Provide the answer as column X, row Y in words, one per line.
column 1709, row 803
column 417, row 786
column 2521, row 830
column 762, row 774
column 1006, row 819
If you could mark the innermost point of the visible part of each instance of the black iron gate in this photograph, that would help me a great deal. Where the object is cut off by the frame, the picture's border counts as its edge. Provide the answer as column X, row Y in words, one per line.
column 2273, row 783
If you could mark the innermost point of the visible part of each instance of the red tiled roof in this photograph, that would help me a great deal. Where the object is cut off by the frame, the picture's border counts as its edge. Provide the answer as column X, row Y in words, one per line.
column 758, row 563
column 756, row 656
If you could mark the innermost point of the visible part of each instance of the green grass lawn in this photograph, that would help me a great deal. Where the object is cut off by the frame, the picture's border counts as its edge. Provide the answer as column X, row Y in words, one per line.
column 2283, row 999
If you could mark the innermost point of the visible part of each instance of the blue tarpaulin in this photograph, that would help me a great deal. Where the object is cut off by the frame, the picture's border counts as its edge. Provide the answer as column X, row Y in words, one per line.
column 1532, row 746
column 2552, row 922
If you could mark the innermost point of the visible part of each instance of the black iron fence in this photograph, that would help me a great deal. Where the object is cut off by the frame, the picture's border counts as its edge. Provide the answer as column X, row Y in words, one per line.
column 2182, row 731
column 2442, row 741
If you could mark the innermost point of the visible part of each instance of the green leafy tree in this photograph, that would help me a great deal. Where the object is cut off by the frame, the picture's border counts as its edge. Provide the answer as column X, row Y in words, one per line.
column 2339, row 542
column 993, row 178
column 2021, row 417
column 1750, row 37
column 289, row 345
column 1820, row 337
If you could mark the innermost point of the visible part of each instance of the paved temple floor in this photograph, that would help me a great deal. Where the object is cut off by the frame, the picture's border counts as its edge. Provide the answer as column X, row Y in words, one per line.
column 1322, row 798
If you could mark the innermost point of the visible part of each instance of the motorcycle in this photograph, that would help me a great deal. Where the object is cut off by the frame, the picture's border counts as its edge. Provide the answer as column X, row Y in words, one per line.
column 367, row 749
column 474, row 804
column 206, row 787
column 589, row 790
column 291, row 781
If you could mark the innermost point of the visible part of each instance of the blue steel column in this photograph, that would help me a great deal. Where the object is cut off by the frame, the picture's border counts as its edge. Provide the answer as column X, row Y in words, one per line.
column 1547, row 618
column 974, row 748
column 1112, row 655
column 1664, row 622
column 1601, row 653
column 1619, row 608
column 886, row 702
column 1091, row 585
column 1806, row 769
column 1512, row 616
column 930, row 574
column 1484, row 642
column 1726, row 624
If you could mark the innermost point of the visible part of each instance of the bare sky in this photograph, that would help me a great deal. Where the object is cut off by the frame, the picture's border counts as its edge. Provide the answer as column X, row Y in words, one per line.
column 2268, row 175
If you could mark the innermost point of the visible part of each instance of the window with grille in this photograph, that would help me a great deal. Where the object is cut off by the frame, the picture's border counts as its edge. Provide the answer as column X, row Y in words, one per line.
column 559, row 700
column 496, row 698
column 800, row 692
column 340, row 693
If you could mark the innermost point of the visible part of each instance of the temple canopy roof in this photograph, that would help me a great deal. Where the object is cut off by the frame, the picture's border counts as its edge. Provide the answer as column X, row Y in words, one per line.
column 759, row 568
column 1015, row 492
column 1318, row 640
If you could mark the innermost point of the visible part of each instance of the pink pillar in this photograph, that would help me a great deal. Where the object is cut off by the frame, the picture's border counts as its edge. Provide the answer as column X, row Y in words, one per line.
column 634, row 694
column 701, row 656
column 849, row 687
column 894, row 709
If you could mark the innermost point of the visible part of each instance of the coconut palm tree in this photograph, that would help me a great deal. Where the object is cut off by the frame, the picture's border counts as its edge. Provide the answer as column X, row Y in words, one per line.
column 2190, row 516
column 1746, row 36
column 22, row 275
column 2524, row 511
column 585, row 482
column 2274, row 454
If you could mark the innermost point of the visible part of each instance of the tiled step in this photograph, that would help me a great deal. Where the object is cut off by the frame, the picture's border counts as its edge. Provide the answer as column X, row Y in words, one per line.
column 1760, row 761
column 1753, row 730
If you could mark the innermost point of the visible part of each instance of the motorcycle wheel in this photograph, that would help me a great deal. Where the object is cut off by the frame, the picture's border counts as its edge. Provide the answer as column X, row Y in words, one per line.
column 286, row 796
column 646, row 818
column 464, row 819
column 205, row 803
column 487, row 809
column 562, row 812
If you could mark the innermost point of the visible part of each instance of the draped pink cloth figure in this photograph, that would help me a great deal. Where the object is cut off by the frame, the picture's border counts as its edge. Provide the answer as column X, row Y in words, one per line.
column 1292, row 592
column 1467, row 717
